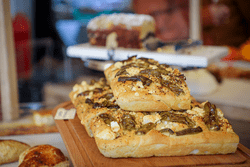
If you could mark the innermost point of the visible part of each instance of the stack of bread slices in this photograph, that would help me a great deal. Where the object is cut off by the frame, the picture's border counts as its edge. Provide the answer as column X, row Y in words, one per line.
column 143, row 108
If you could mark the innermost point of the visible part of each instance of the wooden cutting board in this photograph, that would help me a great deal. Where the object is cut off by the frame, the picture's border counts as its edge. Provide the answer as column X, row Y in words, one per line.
column 84, row 152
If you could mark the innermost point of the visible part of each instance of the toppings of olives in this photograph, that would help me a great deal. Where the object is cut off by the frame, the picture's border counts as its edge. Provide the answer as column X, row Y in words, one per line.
column 146, row 113
column 85, row 93
column 128, row 122
column 144, row 80
column 157, row 72
column 89, row 101
column 98, row 90
column 113, row 106
column 211, row 117
column 107, row 118
column 180, row 118
column 121, row 72
column 107, row 96
column 153, row 72
column 167, row 130
column 145, row 128
column 107, row 104
column 189, row 131
column 173, row 87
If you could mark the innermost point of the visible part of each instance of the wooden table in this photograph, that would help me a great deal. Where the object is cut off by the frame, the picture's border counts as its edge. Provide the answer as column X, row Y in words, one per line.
column 84, row 152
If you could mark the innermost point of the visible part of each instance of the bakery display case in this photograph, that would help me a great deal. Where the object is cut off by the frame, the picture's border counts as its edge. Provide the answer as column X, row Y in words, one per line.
column 38, row 123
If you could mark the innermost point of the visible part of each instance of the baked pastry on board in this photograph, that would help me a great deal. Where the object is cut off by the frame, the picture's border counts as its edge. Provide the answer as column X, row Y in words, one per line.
column 146, row 85
column 10, row 150
column 200, row 130
column 43, row 155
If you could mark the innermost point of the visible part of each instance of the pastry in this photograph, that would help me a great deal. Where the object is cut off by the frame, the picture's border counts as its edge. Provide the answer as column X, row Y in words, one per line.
column 120, row 29
column 43, row 155
column 10, row 150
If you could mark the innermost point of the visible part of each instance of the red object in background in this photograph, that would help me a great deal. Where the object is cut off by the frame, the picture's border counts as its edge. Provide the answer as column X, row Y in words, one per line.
column 22, row 38
column 1, row 117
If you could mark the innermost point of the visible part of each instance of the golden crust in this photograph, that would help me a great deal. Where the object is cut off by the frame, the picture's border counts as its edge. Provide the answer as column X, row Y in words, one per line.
column 155, row 143
column 43, row 155
column 10, row 150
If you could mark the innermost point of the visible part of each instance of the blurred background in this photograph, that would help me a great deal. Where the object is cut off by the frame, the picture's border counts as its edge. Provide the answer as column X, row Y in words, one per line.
column 43, row 30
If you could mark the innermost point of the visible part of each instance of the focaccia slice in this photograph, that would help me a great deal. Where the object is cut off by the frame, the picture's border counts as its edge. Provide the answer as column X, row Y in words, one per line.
column 145, row 85
column 88, row 97
column 200, row 131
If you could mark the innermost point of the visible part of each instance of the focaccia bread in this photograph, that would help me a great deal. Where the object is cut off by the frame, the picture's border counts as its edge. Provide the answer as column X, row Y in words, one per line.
column 122, row 29
column 202, row 129
column 43, row 155
column 88, row 97
column 10, row 150
column 145, row 85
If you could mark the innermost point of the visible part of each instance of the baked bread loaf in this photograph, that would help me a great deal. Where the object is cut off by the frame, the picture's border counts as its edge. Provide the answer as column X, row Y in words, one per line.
column 10, row 150
column 43, row 155
column 97, row 93
column 145, row 85
column 200, row 130
column 125, row 30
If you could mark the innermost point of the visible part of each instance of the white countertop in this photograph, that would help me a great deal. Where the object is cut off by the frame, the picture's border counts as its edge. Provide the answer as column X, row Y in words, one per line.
column 232, row 96
column 231, row 92
column 53, row 139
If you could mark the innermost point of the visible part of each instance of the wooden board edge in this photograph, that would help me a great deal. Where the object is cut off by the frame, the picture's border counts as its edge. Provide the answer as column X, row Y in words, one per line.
column 64, row 125
column 244, row 149
column 72, row 147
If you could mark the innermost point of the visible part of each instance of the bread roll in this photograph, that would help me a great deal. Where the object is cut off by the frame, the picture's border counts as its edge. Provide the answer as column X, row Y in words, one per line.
column 10, row 150
column 43, row 155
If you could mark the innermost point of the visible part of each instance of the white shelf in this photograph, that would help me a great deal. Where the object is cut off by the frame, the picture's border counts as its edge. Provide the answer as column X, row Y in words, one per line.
column 200, row 56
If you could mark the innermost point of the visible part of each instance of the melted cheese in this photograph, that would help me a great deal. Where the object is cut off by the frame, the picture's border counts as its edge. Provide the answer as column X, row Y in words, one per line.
column 172, row 125
column 133, row 71
column 151, row 118
column 106, row 134
column 114, row 126
column 196, row 111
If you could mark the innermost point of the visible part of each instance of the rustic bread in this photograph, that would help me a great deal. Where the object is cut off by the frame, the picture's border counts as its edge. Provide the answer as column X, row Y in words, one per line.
column 43, row 155
column 122, row 133
column 87, row 97
column 145, row 85
column 120, row 30
column 154, row 134
column 10, row 150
